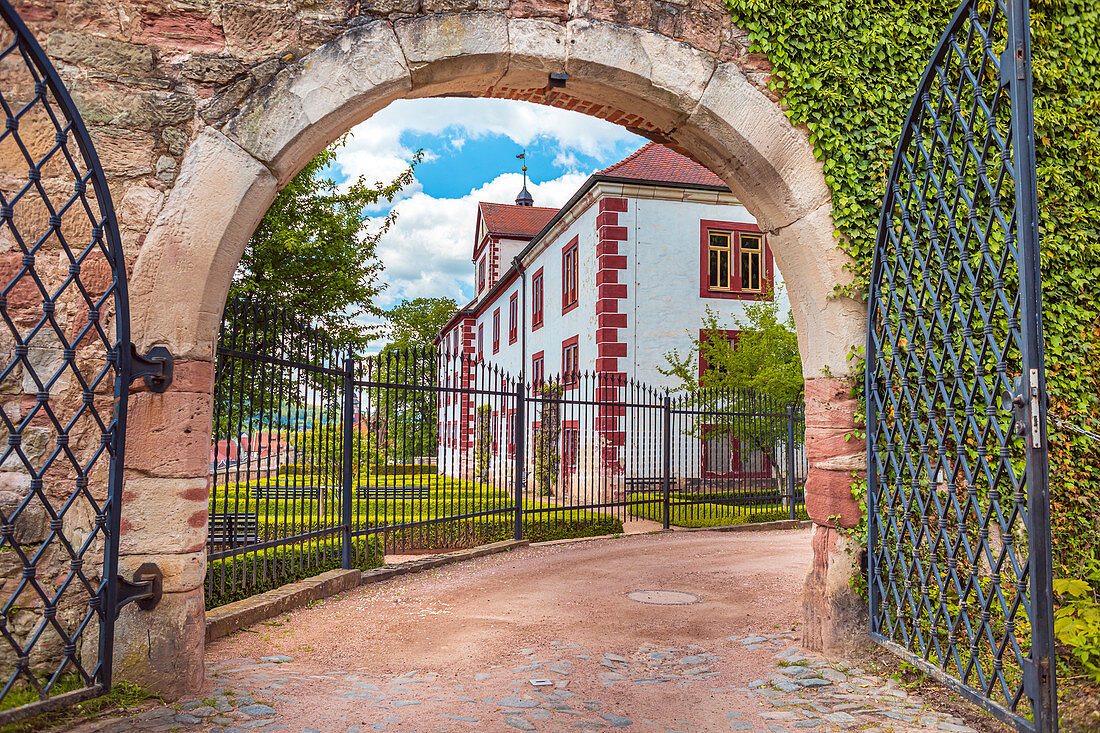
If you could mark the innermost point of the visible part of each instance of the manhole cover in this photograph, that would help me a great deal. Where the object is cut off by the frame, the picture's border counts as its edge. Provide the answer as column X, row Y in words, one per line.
column 663, row 597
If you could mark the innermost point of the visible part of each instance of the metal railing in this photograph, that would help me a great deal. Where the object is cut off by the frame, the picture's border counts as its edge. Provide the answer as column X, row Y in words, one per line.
column 321, row 460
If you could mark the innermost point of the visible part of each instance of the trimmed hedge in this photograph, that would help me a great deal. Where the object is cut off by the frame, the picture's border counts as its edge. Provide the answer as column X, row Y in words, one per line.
column 713, row 515
column 283, row 565
column 399, row 469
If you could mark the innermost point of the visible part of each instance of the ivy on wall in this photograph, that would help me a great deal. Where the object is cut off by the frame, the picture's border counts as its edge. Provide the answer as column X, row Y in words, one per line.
column 847, row 69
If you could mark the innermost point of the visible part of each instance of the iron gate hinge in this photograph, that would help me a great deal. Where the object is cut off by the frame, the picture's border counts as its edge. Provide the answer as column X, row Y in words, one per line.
column 155, row 367
column 145, row 588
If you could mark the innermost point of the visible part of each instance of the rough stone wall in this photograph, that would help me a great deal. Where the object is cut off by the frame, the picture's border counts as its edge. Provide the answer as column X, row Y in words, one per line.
column 156, row 80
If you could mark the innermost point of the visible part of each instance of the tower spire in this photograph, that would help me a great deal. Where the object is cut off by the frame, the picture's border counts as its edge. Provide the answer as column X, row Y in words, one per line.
column 524, row 198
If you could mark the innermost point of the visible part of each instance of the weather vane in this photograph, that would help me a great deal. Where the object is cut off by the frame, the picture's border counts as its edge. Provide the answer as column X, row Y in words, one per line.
column 523, row 156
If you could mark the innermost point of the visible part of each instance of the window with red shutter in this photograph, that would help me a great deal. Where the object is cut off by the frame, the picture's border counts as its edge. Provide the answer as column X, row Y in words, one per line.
column 496, row 330
column 569, row 271
column 536, row 299
column 513, row 318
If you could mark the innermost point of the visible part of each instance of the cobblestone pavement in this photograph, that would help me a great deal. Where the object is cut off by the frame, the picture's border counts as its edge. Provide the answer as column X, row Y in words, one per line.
column 559, row 686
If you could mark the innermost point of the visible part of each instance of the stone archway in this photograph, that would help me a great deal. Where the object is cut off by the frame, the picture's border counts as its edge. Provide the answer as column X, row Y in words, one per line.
column 680, row 76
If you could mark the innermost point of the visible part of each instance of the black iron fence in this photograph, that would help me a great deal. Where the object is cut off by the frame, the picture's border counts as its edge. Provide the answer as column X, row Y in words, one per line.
column 321, row 460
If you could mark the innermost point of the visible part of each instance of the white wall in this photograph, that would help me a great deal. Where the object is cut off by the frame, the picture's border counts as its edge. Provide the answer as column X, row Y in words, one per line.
column 663, row 306
column 667, row 307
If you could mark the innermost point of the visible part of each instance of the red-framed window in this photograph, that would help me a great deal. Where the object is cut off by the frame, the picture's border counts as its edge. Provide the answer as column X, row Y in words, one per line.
column 510, row 432
column 570, row 446
column 538, row 368
column 728, row 334
column 569, row 270
column 496, row 330
column 536, row 300
column 734, row 261
column 570, row 364
column 724, row 456
column 480, row 340
column 457, row 330
column 481, row 274
column 513, row 318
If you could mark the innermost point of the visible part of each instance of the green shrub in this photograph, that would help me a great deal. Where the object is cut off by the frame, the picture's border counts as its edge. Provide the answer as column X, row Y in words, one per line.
column 399, row 469
column 250, row 573
column 544, row 529
column 1077, row 619
column 711, row 515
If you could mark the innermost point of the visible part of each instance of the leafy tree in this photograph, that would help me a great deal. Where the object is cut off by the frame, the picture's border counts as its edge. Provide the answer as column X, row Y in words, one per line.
column 313, row 254
column 745, row 385
column 406, row 417
column 547, row 457
column 417, row 322
column 764, row 360
column 308, row 273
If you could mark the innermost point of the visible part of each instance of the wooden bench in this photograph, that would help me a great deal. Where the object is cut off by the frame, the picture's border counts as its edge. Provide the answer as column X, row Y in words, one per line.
column 393, row 493
column 643, row 484
column 234, row 530
column 291, row 493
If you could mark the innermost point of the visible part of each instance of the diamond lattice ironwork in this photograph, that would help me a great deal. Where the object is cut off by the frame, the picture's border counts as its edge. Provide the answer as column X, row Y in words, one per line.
column 62, row 315
column 959, row 552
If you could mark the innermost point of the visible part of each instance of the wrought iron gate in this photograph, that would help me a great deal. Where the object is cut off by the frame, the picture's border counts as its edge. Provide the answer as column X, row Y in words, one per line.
column 67, row 365
column 958, row 506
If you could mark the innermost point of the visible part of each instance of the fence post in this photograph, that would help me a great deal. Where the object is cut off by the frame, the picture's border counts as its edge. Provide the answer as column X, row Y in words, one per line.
column 666, row 461
column 520, row 433
column 790, row 460
column 346, row 455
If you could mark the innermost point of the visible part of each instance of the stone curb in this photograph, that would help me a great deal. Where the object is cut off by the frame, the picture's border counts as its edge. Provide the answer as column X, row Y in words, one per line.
column 226, row 619
column 231, row 617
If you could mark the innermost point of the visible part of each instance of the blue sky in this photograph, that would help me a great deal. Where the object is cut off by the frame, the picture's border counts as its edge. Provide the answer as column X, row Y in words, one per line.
column 470, row 148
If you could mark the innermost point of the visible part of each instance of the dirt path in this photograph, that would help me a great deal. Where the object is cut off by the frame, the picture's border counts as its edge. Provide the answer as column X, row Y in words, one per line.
column 463, row 617
column 545, row 638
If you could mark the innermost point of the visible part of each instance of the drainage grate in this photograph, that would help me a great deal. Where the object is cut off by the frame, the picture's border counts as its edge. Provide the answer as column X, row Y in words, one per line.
column 663, row 597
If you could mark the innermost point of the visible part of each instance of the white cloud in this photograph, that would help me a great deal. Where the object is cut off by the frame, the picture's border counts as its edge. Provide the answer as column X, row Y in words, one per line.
column 427, row 252
column 567, row 159
column 375, row 149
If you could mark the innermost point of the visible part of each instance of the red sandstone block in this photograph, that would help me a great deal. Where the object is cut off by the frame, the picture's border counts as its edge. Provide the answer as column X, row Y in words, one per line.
column 611, row 349
column 612, row 204
column 607, row 394
column 829, row 499
column 607, row 276
column 607, row 335
column 611, row 379
column 612, row 320
column 607, row 365
column 608, row 218
column 614, row 438
column 612, row 410
column 607, row 306
column 613, row 261
column 607, row 248
column 617, row 233
column 612, row 291
column 606, row 424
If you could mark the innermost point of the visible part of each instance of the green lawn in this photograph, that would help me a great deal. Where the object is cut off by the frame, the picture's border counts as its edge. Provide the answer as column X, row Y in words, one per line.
column 249, row 573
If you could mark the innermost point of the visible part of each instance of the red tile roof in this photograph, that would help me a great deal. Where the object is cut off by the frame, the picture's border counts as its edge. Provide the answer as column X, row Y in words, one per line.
column 655, row 162
column 509, row 220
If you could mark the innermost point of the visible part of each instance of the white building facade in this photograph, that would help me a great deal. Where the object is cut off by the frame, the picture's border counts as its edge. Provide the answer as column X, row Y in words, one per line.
column 608, row 284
